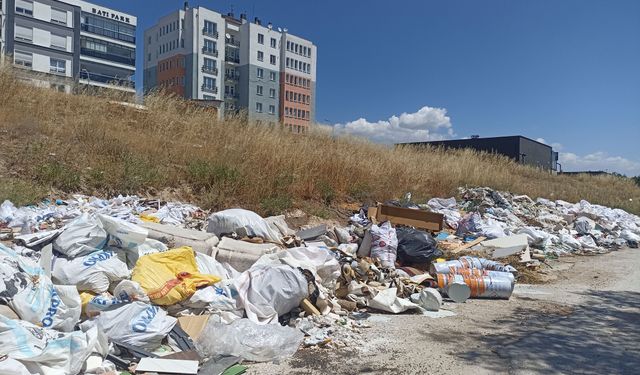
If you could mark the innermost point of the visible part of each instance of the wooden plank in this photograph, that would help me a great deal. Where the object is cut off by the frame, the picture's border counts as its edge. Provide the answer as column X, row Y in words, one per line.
column 469, row 244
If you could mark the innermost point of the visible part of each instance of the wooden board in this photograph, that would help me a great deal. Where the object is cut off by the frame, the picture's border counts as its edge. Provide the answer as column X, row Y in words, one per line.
column 469, row 244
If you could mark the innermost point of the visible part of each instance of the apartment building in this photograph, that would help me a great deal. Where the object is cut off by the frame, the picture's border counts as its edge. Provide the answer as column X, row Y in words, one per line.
column 297, row 83
column 70, row 43
column 201, row 54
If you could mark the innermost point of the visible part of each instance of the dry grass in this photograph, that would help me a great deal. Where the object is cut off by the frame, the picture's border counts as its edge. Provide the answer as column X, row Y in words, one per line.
column 87, row 144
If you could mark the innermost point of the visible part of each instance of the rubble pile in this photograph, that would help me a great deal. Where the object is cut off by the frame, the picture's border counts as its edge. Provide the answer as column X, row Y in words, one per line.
column 129, row 284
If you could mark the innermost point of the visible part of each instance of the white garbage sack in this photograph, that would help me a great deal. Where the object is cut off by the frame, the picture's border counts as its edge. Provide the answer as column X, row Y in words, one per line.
column 131, row 291
column 32, row 296
column 82, row 236
column 122, row 233
column 570, row 241
column 537, row 238
column 46, row 351
column 447, row 207
column 387, row 300
column 268, row 291
column 246, row 339
column 149, row 246
column 7, row 211
column 216, row 299
column 242, row 222
column 209, row 266
column 384, row 244
column 9, row 366
column 138, row 324
column 93, row 272
column 320, row 261
column 584, row 225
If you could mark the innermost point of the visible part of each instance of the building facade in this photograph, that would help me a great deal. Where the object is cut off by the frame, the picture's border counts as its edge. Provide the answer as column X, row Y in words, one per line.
column 200, row 54
column 70, row 43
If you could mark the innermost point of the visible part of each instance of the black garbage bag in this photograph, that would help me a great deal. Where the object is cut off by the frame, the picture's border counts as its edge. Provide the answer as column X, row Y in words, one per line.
column 416, row 246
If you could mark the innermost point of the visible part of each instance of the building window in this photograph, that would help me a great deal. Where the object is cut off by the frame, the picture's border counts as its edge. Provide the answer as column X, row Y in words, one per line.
column 274, row 43
column 107, row 50
column 209, row 65
column 58, row 41
column 272, row 109
column 23, row 58
column 259, row 107
column 210, row 28
column 272, row 76
column 272, row 59
column 57, row 66
column 260, row 73
column 260, row 38
column 209, row 46
column 181, row 43
column 149, row 57
column 272, row 93
column 109, row 28
column 24, row 34
column 260, row 56
column 209, row 83
column 24, row 7
column 59, row 16
column 259, row 90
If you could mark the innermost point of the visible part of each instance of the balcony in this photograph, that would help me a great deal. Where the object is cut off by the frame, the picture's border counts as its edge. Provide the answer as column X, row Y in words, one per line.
column 232, row 76
column 210, row 52
column 109, row 57
column 210, row 33
column 228, row 95
column 101, row 78
column 210, row 70
column 212, row 90
column 232, row 59
column 233, row 43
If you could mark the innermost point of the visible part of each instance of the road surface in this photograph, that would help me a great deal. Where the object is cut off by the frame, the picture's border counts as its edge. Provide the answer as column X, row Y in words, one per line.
column 587, row 321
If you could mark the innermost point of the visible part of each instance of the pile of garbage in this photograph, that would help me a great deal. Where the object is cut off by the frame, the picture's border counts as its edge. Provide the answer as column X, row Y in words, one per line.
column 127, row 284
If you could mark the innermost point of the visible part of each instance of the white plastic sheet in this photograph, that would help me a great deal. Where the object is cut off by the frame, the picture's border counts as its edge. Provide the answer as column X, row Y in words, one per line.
column 246, row 339
column 387, row 300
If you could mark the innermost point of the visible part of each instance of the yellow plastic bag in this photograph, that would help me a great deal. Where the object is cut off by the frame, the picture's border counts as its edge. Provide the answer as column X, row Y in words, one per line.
column 170, row 277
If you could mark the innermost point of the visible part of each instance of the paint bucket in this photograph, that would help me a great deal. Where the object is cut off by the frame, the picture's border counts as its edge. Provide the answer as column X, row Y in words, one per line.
column 455, row 287
column 471, row 263
column 479, row 286
column 471, row 272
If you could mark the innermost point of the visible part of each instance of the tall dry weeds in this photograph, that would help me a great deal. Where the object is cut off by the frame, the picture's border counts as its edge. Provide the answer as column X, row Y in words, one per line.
column 78, row 143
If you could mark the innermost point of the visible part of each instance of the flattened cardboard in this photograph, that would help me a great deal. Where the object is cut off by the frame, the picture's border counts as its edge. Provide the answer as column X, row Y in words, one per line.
column 406, row 216
column 193, row 325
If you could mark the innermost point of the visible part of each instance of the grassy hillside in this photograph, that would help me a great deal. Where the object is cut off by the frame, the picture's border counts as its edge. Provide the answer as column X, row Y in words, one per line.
column 52, row 141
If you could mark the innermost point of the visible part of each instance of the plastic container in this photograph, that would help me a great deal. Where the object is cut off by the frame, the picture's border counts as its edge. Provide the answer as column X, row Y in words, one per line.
column 474, row 272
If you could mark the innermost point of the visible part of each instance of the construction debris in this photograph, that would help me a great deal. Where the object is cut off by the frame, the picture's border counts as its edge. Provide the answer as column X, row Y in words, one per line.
column 129, row 284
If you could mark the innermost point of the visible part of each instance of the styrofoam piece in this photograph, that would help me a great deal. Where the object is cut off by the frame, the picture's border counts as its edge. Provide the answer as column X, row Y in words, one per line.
column 242, row 255
column 199, row 241
column 505, row 246
column 168, row 366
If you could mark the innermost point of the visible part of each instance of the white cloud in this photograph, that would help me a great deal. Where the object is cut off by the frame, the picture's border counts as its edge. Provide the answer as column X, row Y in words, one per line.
column 427, row 124
column 599, row 161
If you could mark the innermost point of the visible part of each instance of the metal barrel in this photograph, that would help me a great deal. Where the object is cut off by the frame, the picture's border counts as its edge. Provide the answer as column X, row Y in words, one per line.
column 468, row 262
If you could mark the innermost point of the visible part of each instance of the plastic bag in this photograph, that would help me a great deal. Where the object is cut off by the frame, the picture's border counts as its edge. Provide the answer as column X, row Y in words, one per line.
column 384, row 244
column 137, row 323
column 44, row 350
column 122, row 233
column 93, row 272
column 82, row 236
column 30, row 293
column 149, row 246
column 416, row 246
column 246, row 339
column 584, row 225
column 170, row 277
column 470, row 224
column 239, row 220
column 268, row 291
column 209, row 266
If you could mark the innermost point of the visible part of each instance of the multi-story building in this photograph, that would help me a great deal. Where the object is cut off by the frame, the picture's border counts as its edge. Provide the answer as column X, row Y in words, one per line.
column 69, row 42
column 297, row 83
column 200, row 54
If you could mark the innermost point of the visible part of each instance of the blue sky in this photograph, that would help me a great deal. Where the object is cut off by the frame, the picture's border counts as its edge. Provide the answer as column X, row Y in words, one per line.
column 563, row 71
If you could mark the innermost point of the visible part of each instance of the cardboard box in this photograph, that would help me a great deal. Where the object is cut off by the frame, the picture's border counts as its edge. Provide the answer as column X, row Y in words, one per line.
column 406, row 216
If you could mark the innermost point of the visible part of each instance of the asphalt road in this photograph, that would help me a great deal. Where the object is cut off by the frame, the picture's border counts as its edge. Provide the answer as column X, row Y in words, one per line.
column 587, row 321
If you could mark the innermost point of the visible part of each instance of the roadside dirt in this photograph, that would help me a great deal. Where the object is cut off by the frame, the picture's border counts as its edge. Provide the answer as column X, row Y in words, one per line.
column 586, row 321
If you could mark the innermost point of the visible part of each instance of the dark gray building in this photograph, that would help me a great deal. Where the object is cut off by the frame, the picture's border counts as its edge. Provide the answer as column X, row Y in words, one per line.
column 521, row 149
